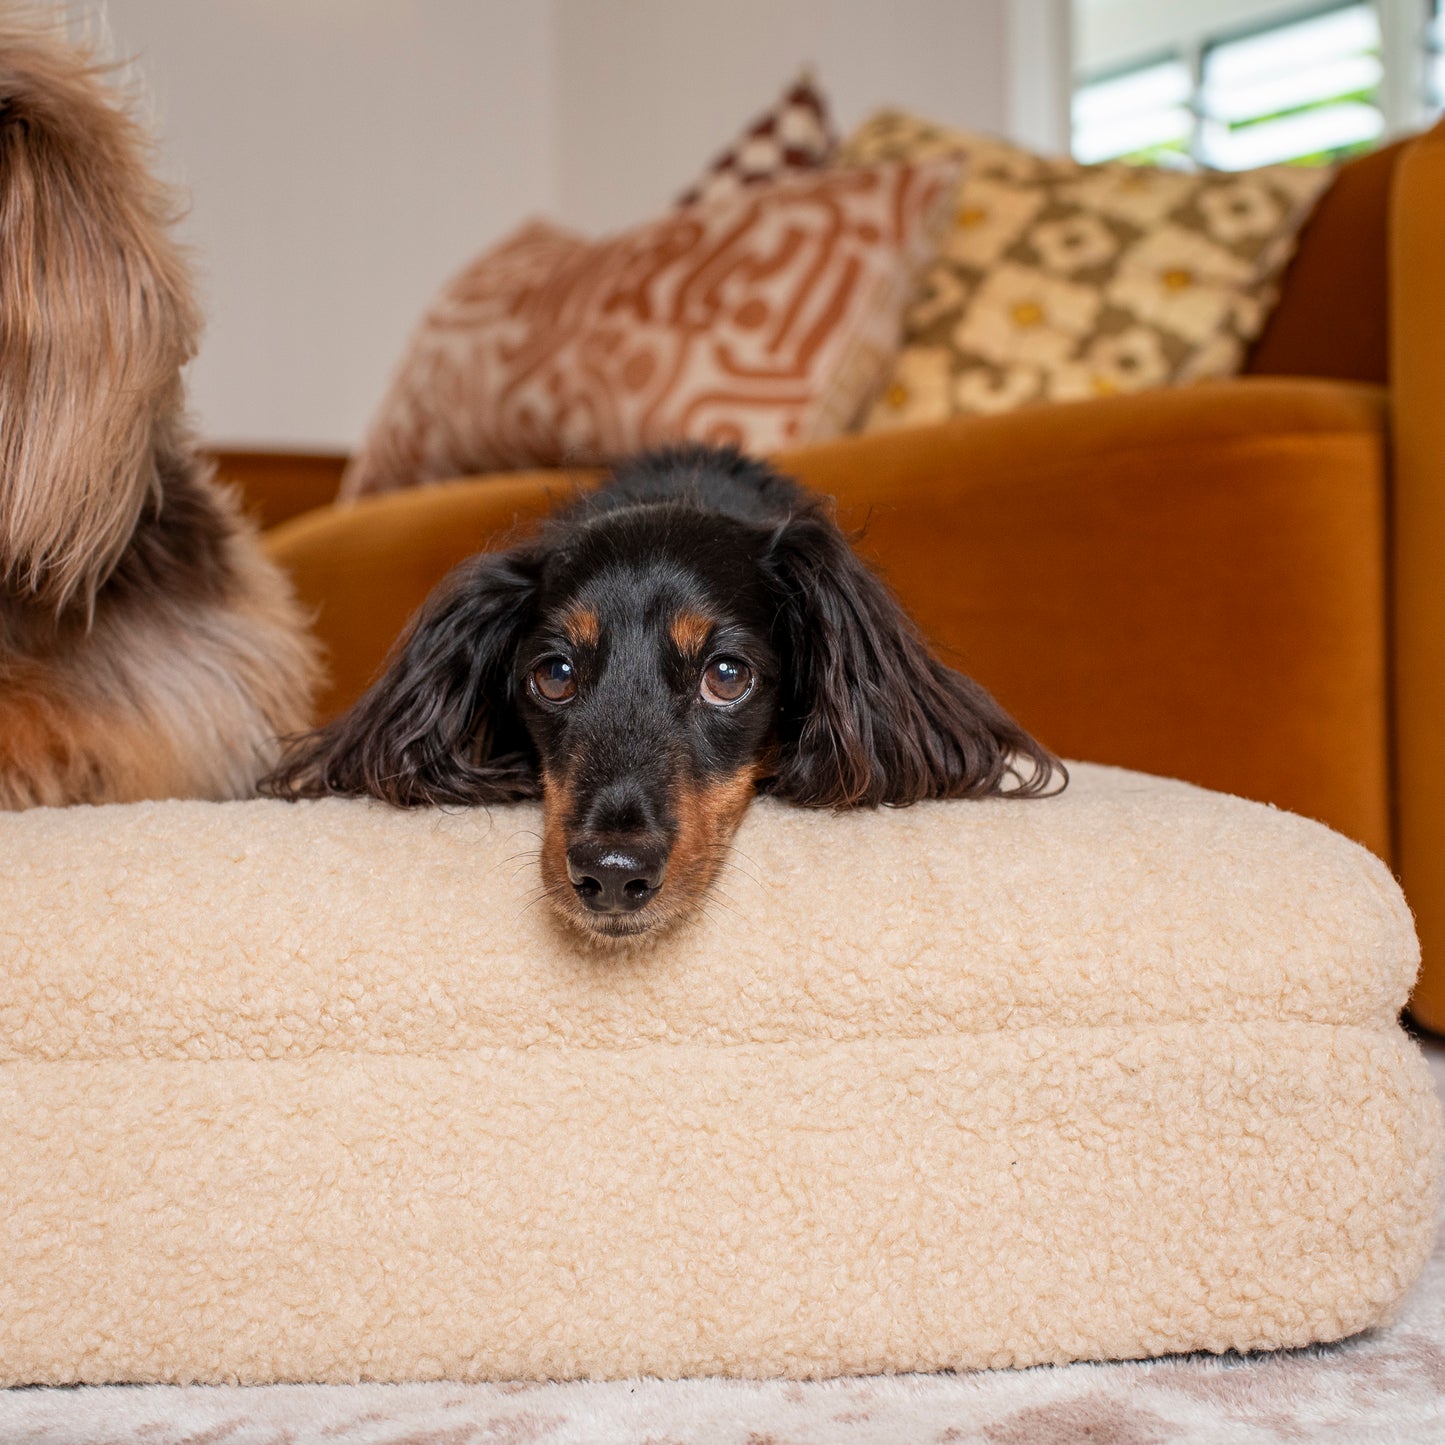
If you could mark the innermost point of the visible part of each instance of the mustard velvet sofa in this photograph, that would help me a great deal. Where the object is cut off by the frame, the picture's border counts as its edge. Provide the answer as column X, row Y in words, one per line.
column 1238, row 583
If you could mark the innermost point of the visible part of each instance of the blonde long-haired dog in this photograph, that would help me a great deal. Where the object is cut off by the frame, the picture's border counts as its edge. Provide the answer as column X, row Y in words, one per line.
column 148, row 649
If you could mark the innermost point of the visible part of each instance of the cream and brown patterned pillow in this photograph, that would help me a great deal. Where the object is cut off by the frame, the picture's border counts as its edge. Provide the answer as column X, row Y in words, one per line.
column 765, row 319
column 1061, row 281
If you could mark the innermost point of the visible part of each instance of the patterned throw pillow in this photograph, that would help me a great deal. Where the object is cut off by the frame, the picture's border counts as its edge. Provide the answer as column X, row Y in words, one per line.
column 1060, row 281
column 764, row 320
column 793, row 137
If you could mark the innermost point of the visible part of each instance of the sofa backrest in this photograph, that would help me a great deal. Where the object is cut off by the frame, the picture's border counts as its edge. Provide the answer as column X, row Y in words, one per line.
column 1332, row 317
column 275, row 485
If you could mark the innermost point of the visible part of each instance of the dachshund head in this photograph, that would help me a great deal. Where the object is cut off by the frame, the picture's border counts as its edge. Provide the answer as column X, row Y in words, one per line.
column 696, row 633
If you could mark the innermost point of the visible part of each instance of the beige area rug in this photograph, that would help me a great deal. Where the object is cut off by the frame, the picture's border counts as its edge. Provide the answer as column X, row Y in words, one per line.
column 1381, row 1388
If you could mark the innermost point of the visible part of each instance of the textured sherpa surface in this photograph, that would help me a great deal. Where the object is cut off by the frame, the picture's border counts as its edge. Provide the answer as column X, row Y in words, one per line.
column 319, row 1092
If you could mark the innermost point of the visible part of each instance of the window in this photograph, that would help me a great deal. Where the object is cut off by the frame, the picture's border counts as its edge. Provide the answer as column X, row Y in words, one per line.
column 1435, row 50
column 1145, row 114
column 1303, row 87
column 1293, row 92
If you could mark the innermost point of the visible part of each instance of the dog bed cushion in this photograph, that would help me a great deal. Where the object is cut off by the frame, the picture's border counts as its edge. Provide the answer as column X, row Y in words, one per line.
column 323, row 1092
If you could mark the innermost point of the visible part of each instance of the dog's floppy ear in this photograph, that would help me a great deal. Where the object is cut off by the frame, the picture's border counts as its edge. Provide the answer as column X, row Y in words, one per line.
column 867, row 715
column 440, row 725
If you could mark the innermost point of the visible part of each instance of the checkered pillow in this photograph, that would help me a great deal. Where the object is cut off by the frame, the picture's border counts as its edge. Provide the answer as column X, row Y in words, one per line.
column 794, row 136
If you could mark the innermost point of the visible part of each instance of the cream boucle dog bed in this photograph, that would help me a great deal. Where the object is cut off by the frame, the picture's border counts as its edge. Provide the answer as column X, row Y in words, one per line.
column 310, row 1092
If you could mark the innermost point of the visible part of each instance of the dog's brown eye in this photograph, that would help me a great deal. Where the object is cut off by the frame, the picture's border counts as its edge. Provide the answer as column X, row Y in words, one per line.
column 555, row 680
column 726, row 680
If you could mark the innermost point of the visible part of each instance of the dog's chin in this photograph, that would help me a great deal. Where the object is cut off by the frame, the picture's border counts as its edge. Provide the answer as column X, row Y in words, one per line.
column 617, row 930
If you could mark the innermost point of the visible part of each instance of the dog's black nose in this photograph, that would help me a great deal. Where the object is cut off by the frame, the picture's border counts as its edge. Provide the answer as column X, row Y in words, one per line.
column 616, row 877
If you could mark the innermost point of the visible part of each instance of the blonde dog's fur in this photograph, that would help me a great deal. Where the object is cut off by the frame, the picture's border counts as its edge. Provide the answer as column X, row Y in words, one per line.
column 147, row 647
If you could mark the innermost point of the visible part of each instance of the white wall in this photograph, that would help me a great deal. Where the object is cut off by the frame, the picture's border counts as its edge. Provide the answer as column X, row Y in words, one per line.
column 650, row 89
column 345, row 156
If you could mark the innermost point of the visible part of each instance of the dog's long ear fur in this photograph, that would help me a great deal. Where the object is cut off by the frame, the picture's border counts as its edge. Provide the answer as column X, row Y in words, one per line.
column 440, row 726
column 96, row 317
column 867, row 715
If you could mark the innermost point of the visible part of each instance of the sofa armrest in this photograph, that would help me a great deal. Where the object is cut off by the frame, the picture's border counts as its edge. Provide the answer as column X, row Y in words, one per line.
column 1417, row 318
column 1190, row 582
column 276, row 486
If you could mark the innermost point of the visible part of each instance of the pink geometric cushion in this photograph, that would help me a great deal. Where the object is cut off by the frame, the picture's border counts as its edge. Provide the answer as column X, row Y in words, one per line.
column 764, row 319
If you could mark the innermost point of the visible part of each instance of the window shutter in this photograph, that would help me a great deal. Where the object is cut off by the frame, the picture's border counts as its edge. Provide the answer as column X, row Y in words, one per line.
column 1304, row 90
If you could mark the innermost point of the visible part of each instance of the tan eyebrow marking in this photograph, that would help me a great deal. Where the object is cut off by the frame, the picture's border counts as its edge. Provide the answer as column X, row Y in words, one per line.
column 582, row 626
column 690, row 631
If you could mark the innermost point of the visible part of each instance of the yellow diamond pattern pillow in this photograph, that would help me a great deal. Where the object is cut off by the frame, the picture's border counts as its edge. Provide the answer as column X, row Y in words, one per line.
column 1060, row 281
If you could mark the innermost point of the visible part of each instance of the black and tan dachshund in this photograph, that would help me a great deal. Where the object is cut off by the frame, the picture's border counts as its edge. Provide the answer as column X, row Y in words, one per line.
column 695, row 632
